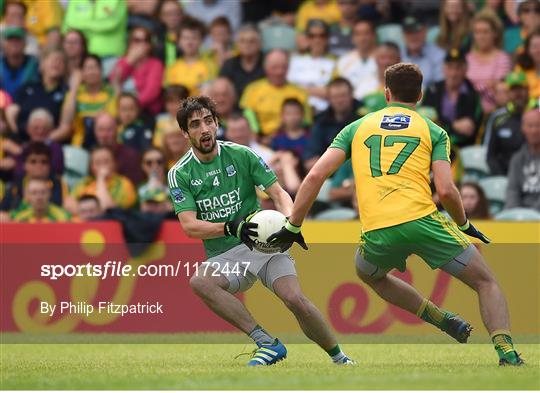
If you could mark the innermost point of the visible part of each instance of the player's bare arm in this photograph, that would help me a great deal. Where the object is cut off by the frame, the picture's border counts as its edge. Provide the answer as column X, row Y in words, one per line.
column 281, row 198
column 451, row 200
column 329, row 162
column 200, row 229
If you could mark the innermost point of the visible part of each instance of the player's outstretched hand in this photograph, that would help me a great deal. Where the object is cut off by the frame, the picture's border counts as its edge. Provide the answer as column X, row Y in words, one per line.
column 287, row 236
column 242, row 229
column 471, row 230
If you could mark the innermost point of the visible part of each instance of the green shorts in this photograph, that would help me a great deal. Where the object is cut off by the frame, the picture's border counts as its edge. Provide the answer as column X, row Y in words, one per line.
column 434, row 238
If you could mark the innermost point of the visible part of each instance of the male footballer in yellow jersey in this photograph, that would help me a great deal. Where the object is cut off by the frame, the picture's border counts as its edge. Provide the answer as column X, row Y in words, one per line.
column 392, row 152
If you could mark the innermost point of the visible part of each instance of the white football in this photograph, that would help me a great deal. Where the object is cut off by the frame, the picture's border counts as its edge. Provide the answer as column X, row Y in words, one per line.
column 269, row 221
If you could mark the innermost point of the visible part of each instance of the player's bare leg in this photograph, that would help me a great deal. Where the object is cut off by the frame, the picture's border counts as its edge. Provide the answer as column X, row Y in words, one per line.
column 213, row 291
column 493, row 306
column 309, row 317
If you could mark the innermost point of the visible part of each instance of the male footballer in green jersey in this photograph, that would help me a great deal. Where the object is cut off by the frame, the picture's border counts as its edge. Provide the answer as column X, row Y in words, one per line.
column 213, row 191
column 392, row 153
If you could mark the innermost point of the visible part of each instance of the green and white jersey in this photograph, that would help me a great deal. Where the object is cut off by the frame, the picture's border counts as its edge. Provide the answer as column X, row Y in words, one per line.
column 219, row 190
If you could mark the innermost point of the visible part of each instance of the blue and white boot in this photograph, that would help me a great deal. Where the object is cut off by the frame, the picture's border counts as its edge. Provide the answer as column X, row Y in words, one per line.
column 268, row 354
column 346, row 361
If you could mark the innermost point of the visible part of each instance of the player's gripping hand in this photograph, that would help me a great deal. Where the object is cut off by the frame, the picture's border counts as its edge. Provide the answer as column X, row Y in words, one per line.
column 287, row 236
column 471, row 230
column 242, row 229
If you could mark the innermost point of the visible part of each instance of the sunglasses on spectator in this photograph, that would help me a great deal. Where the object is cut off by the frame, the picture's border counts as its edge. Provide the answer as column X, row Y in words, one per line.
column 150, row 162
column 38, row 161
column 526, row 10
column 139, row 39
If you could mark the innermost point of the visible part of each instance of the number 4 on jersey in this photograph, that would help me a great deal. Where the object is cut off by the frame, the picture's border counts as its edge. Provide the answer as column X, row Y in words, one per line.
column 374, row 145
column 215, row 183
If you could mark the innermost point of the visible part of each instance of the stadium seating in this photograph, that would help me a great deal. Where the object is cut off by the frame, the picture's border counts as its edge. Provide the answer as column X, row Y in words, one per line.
column 518, row 214
column 474, row 162
column 75, row 164
column 495, row 190
column 337, row 214
column 392, row 32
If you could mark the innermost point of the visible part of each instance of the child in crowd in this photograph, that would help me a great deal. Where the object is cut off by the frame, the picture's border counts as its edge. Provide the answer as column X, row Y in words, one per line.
column 131, row 129
column 174, row 94
column 292, row 136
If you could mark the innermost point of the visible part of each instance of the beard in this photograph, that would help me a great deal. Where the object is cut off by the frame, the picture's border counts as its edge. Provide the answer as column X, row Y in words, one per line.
column 207, row 147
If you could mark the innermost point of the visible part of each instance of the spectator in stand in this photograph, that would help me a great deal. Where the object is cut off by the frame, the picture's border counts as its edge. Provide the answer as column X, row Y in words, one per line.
column 42, row 17
column 222, row 92
column 37, row 165
column 175, row 145
column 456, row 102
column 143, row 13
column 326, row 10
column 153, row 165
column 132, row 131
column 39, row 208
column 486, row 62
column 104, row 182
column 76, row 48
column 247, row 66
column 104, row 24
column 127, row 159
column 139, row 72
column 455, row 25
column 315, row 69
column 429, row 57
column 343, row 110
column 386, row 54
column 529, row 62
column 293, row 135
column 9, row 150
column 341, row 31
column 265, row 96
column 39, row 128
column 359, row 65
column 88, row 208
column 475, row 202
column 501, row 94
column 88, row 95
column 170, row 15
column 16, row 68
column 15, row 13
column 209, row 10
column 155, row 201
column 219, row 42
column 173, row 96
column 528, row 13
column 193, row 69
column 48, row 93
column 524, row 173
column 503, row 129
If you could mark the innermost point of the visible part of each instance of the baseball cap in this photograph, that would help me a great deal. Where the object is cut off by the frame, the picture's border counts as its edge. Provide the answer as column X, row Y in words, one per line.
column 516, row 78
column 411, row 24
column 13, row 32
column 455, row 55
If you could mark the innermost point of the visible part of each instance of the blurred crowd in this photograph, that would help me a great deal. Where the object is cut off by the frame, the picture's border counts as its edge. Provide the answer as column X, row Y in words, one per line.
column 89, row 91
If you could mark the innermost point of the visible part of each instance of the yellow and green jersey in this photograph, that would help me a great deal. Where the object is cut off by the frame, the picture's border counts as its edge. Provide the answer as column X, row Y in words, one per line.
column 54, row 213
column 120, row 187
column 192, row 75
column 87, row 107
column 391, row 151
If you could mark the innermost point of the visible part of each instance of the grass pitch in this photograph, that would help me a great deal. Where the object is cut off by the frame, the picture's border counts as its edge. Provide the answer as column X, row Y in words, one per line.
column 212, row 366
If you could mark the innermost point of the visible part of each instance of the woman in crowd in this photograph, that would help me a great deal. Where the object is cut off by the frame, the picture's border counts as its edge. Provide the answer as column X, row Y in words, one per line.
column 315, row 69
column 145, row 71
column 474, row 201
column 454, row 23
column 170, row 15
column 75, row 47
column 487, row 63
column 88, row 95
column 529, row 63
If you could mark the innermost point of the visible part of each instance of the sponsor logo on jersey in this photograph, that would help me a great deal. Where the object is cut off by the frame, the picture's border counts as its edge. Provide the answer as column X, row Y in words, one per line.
column 230, row 170
column 265, row 165
column 395, row 122
column 213, row 173
column 178, row 195
column 196, row 182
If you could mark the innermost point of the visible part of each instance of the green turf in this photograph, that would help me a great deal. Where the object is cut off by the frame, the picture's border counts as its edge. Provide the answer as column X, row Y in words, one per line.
column 212, row 366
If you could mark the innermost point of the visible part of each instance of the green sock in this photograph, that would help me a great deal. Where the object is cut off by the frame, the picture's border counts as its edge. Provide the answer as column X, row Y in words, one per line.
column 334, row 351
column 430, row 313
column 503, row 345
